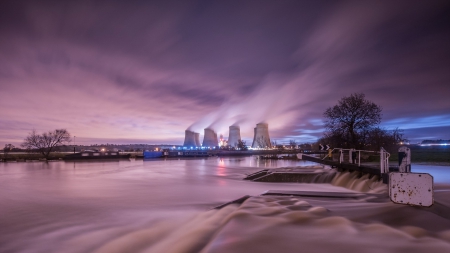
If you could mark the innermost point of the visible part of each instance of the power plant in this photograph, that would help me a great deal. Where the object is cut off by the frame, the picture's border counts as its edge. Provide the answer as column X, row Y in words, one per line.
column 190, row 139
column 197, row 139
column 210, row 138
column 234, row 136
column 261, row 138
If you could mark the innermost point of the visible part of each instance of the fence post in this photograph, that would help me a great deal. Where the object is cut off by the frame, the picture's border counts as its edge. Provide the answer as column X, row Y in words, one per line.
column 359, row 158
column 384, row 165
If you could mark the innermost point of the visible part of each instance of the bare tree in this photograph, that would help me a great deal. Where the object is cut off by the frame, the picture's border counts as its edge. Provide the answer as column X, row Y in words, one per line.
column 350, row 118
column 263, row 142
column 44, row 143
column 293, row 144
column 398, row 135
column 241, row 145
column 8, row 148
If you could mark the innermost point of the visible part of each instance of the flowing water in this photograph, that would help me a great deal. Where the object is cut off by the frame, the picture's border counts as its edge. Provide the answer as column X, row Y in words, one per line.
column 165, row 206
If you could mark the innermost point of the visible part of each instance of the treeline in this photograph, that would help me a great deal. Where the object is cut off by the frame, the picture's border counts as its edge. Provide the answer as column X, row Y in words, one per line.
column 370, row 139
column 355, row 123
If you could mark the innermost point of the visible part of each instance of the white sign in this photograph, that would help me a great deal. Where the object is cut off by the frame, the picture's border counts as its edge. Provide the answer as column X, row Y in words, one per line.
column 411, row 188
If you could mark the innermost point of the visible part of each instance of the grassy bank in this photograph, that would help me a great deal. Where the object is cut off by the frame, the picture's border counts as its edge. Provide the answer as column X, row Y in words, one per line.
column 22, row 156
column 422, row 155
column 430, row 154
column 31, row 156
column 418, row 154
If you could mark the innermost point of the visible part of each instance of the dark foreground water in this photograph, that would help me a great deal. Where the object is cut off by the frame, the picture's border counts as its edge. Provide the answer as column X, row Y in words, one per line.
column 165, row 206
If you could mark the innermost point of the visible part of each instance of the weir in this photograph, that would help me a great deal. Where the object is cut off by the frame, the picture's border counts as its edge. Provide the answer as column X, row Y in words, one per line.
column 291, row 175
column 404, row 187
column 341, row 166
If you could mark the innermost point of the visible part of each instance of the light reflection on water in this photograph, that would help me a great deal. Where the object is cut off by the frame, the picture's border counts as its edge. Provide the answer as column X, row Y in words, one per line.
column 38, row 198
column 74, row 206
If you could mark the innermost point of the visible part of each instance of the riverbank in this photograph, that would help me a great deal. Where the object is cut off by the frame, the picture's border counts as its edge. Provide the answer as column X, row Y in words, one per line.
column 55, row 156
column 427, row 155
column 23, row 156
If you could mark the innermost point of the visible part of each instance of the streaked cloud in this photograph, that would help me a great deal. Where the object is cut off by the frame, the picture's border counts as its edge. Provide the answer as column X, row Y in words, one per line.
column 120, row 71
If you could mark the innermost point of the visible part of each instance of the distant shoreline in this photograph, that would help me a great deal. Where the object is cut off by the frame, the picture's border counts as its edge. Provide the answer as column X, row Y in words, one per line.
column 427, row 156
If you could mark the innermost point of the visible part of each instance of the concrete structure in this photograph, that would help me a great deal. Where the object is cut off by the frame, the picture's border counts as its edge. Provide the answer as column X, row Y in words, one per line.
column 210, row 138
column 197, row 139
column 234, row 136
column 189, row 139
column 261, row 138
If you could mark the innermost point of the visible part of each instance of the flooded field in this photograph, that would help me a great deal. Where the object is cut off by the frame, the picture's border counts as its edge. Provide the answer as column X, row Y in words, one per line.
column 165, row 206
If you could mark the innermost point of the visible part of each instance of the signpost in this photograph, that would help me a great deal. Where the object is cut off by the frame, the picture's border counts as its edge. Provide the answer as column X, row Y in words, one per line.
column 411, row 188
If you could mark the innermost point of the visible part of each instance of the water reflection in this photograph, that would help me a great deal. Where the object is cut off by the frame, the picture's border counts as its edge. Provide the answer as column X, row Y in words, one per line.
column 80, row 206
column 440, row 173
column 221, row 167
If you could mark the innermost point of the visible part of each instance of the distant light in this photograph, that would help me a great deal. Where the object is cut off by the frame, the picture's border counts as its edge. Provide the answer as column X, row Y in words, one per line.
column 435, row 144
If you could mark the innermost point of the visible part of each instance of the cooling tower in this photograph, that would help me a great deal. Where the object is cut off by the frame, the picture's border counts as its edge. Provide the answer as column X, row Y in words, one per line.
column 197, row 139
column 210, row 138
column 261, row 138
column 234, row 136
column 189, row 139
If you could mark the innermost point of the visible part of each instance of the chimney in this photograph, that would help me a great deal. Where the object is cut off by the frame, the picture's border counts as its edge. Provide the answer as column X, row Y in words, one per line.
column 197, row 139
column 189, row 139
column 210, row 138
column 261, row 138
column 234, row 136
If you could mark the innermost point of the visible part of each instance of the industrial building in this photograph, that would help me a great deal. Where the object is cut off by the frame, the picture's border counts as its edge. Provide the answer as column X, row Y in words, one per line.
column 197, row 139
column 234, row 136
column 190, row 139
column 261, row 137
column 210, row 138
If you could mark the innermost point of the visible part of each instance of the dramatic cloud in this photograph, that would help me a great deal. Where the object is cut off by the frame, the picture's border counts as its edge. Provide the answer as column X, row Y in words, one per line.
column 144, row 71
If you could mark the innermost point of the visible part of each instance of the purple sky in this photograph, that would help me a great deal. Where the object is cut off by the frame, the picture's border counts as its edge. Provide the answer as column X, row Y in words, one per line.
column 145, row 71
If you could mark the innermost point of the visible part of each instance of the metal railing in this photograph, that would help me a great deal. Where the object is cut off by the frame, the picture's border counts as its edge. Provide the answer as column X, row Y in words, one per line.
column 384, row 161
column 384, row 157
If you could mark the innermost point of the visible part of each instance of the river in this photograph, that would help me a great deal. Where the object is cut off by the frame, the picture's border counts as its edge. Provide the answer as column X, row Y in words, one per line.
column 165, row 206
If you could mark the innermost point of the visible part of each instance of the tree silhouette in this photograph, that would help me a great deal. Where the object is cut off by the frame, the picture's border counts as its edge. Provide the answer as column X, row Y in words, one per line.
column 44, row 143
column 292, row 144
column 351, row 118
column 241, row 145
column 8, row 148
